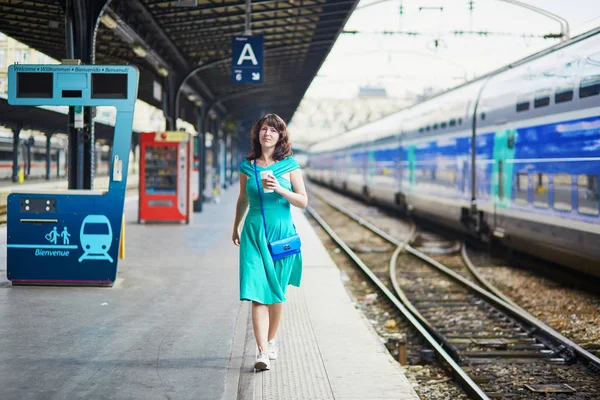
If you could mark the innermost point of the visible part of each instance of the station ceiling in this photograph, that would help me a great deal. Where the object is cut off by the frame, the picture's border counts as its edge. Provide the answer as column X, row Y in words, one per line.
column 298, row 35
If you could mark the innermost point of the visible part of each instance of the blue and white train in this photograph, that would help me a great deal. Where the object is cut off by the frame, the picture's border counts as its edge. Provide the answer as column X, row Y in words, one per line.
column 513, row 156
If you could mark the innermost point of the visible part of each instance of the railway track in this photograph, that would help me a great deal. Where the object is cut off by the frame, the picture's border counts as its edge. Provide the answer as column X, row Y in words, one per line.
column 500, row 347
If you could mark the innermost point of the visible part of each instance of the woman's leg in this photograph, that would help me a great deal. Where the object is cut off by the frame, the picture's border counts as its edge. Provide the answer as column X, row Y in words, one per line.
column 275, row 313
column 260, row 323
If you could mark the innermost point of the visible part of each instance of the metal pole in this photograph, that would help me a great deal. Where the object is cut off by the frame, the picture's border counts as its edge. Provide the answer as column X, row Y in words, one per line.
column 15, row 169
column 248, row 31
column 48, row 158
column 200, row 150
column 565, row 33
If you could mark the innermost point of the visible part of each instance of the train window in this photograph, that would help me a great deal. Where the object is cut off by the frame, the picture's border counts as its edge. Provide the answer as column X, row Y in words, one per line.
column 38, row 156
column 563, row 96
column 483, row 116
column 522, row 106
column 421, row 130
column 452, row 122
column 590, row 82
column 587, row 194
column 435, row 126
column 540, row 190
column 522, row 186
column 541, row 101
column 460, row 121
column 443, row 125
column 428, row 128
column 562, row 192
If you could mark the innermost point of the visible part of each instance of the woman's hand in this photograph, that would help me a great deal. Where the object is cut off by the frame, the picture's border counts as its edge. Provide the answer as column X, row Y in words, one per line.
column 271, row 183
column 236, row 237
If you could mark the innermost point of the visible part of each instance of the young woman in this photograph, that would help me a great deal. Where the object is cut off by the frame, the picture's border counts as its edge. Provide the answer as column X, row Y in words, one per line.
column 263, row 281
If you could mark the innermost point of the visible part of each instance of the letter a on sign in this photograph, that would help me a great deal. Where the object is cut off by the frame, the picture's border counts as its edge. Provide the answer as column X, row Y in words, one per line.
column 247, row 54
column 247, row 59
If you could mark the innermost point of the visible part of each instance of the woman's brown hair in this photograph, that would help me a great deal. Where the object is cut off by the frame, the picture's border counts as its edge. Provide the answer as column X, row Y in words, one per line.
column 283, row 148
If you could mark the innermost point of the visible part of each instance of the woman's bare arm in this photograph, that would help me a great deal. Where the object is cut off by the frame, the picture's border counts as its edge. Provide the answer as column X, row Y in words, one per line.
column 240, row 209
column 298, row 196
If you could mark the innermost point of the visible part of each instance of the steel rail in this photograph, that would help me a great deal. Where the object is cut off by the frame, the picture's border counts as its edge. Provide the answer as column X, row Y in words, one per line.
column 488, row 286
column 586, row 357
column 408, row 304
column 466, row 382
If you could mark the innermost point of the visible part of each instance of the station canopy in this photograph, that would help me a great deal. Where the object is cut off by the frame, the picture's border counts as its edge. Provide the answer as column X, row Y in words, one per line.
column 167, row 39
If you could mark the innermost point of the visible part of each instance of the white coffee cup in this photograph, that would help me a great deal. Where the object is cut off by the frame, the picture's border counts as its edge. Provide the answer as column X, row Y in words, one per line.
column 263, row 176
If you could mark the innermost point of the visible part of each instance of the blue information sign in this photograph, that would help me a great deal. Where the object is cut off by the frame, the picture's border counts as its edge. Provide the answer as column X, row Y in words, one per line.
column 71, row 237
column 247, row 59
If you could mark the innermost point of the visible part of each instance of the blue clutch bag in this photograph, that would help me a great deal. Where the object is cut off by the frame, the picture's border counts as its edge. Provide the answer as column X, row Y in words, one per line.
column 283, row 247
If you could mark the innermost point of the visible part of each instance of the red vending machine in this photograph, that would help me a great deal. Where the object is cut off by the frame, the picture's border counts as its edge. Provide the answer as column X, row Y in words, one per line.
column 165, row 172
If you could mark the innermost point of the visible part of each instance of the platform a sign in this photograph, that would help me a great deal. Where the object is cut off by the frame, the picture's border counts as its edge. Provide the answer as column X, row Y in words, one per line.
column 247, row 59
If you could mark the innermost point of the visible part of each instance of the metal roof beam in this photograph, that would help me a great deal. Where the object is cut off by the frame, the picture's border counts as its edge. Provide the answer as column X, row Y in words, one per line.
column 222, row 40
column 30, row 33
column 218, row 44
column 280, row 21
column 27, row 19
column 257, row 13
column 55, row 10
column 211, row 6
column 220, row 32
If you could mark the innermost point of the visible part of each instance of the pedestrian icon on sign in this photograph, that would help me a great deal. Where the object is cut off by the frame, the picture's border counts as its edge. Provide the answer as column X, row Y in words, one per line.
column 65, row 235
column 52, row 236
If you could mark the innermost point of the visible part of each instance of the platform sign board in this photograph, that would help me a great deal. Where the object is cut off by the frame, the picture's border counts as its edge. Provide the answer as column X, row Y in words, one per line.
column 247, row 59
column 71, row 236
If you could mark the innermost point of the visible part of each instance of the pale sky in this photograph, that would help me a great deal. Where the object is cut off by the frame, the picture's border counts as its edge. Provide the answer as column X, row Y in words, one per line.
column 402, row 63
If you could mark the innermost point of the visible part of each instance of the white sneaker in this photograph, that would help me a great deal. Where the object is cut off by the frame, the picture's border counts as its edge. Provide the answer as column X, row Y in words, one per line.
column 272, row 350
column 262, row 362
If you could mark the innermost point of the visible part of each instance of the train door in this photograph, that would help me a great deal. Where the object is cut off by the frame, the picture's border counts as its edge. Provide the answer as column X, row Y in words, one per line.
column 502, row 170
column 371, row 168
column 464, row 184
column 399, row 167
column 412, row 165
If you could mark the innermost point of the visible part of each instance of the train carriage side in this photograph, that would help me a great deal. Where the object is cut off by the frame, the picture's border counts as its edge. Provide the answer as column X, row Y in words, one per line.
column 383, row 169
column 436, row 156
column 538, row 156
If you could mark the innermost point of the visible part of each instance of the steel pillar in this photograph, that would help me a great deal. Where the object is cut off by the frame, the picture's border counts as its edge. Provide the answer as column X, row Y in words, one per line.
column 48, row 158
column 81, row 23
column 169, row 103
column 232, row 163
column 16, row 141
column 215, row 149
column 201, row 153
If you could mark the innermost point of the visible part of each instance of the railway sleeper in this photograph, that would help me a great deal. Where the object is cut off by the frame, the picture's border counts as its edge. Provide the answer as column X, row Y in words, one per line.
column 514, row 339
column 505, row 347
column 542, row 353
column 508, row 361
column 484, row 333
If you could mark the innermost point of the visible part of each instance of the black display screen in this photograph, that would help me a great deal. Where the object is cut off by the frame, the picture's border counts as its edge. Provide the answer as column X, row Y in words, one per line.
column 35, row 84
column 109, row 86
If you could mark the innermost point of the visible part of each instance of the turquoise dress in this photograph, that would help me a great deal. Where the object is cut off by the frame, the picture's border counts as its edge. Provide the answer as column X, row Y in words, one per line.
column 261, row 279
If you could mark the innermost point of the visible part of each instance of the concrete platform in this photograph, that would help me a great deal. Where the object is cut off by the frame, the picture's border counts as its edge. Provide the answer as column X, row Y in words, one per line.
column 172, row 327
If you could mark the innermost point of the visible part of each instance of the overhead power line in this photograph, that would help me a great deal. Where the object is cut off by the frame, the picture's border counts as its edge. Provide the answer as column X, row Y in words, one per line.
column 456, row 33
